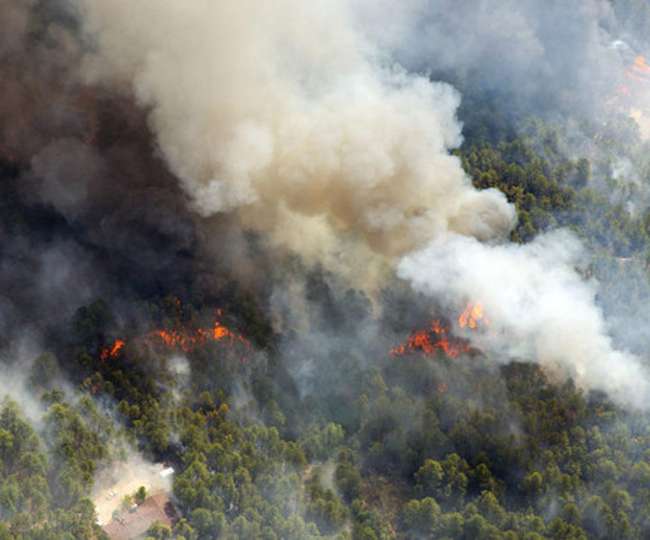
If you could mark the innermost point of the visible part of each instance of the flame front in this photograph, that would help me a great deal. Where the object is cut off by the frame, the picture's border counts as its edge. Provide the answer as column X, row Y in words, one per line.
column 637, row 77
column 188, row 341
column 437, row 337
column 113, row 351
column 432, row 340
column 632, row 95
column 472, row 317
column 185, row 339
column 640, row 68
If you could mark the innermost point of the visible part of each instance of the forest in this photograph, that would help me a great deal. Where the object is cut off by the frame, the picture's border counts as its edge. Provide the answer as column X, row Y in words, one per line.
column 131, row 325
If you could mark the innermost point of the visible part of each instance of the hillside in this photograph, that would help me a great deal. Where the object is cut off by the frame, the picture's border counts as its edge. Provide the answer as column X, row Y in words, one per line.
column 358, row 271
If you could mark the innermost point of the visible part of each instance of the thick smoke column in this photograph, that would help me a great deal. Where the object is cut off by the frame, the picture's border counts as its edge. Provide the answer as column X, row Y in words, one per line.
column 285, row 114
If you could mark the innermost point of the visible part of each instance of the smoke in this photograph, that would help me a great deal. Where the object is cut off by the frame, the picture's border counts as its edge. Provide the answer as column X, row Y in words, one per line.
column 547, row 56
column 152, row 148
column 88, row 210
column 14, row 378
column 286, row 115
column 540, row 307
column 295, row 120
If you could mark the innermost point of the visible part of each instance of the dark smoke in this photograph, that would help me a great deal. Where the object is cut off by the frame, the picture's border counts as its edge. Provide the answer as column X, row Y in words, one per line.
column 89, row 209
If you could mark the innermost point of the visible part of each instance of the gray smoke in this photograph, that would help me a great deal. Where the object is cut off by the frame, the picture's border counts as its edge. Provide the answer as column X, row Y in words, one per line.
column 546, row 55
column 294, row 118
column 539, row 307
column 286, row 115
column 311, row 125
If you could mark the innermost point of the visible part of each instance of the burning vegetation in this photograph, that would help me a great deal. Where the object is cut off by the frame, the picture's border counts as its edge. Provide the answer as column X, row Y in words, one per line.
column 430, row 341
column 189, row 340
column 639, row 71
column 213, row 152
column 113, row 351
column 637, row 78
column 183, row 338
column 631, row 93
column 472, row 317
column 438, row 337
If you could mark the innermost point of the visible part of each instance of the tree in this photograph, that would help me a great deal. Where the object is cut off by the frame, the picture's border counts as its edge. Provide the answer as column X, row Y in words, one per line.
column 533, row 484
column 159, row 531
column 489, row 507
column 127, row 502
column 140, row 495
column 420, row 517
column 348, row 481
column 429, row 478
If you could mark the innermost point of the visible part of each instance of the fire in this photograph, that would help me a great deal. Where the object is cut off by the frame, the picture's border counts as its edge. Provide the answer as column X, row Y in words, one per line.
column 189, row 340
column 637, row 76
column 185, row 339
column 430, row 341
column 113, row 351
column 472, row 317
column 641, row 65
column 632, row 94
column 437, row 337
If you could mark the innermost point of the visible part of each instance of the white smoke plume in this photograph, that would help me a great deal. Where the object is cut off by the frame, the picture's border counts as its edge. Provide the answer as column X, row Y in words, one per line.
column 285, row 113
column 538, row 304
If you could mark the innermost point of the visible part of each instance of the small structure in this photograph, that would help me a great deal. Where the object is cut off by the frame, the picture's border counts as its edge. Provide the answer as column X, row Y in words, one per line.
column 133, row 524
column 114, row 485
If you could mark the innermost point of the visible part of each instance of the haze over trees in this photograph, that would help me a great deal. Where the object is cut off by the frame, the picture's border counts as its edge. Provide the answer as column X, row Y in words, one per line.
column 267, row 380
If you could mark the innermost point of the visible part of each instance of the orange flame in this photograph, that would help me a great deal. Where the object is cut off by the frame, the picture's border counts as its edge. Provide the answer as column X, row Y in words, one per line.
column 472, row 317
column 637, row 79
column 437, row 338
column 640, row 64
column 428, row 342
column 181, row 338
column 112, row 351
column 638, row 72
column 188, row 341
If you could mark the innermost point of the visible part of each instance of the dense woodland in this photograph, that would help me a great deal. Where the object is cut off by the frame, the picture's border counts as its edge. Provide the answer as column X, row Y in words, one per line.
column 386, row 448
column 408, row 447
